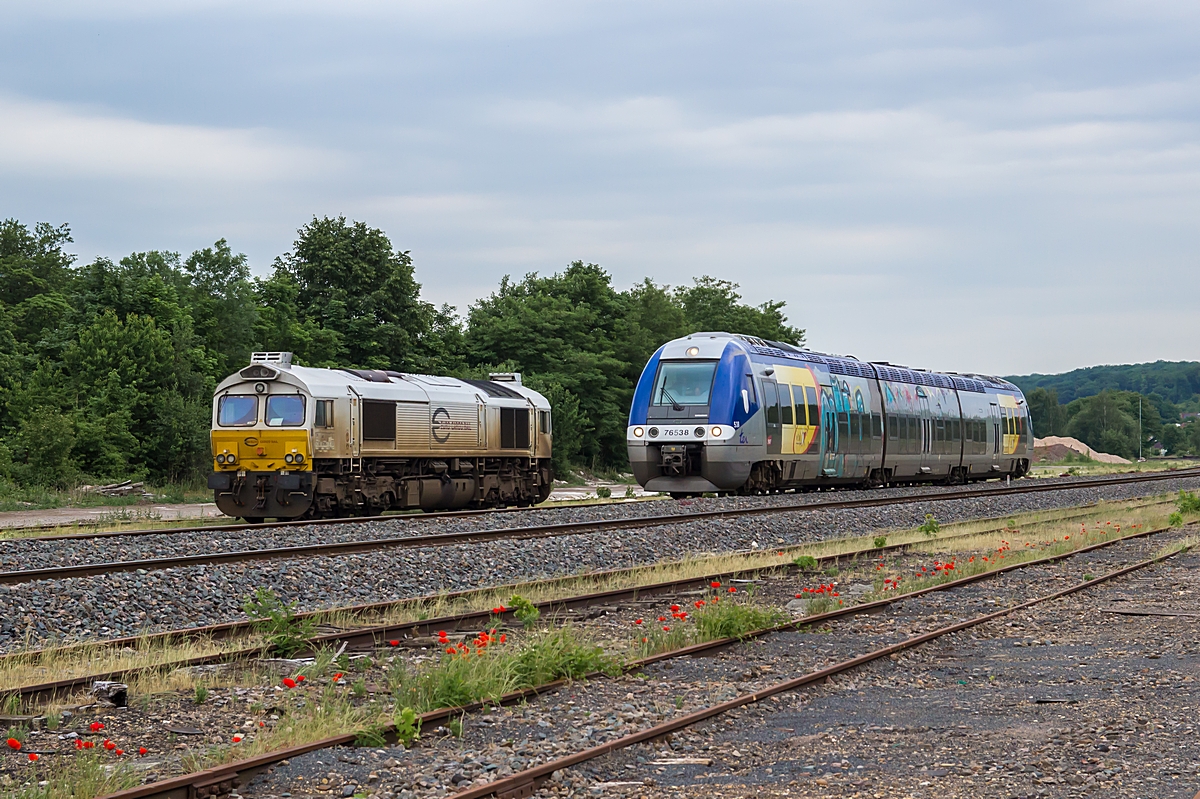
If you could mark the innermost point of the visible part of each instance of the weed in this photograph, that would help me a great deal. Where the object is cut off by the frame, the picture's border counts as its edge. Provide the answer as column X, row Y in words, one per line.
column 278, row 623
column 629, row 492
column 82, row 777
column 604, row 492
column 679, row 703
column 1175, row 519
column 408, row 727
column 806, row 563
column 16, row 732
column 10, row 705
column 820, row 603
column 880, row 541
column 359, row 688
column 372, row 736
column 524, row 610
column 1188, row 502
column 1087, row 577
column 52, row 721
column 201, row 695
column 931, row 526
column 832, row 571
column 455, row 726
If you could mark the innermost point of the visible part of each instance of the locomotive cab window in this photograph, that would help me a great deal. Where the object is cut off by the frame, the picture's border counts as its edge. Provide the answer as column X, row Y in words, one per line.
column 285, row 410
column 236, row 410
column 323, row 413
column 683, row 383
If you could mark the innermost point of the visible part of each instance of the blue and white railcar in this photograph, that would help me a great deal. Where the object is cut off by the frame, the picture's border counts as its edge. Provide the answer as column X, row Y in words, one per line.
column 716, row 412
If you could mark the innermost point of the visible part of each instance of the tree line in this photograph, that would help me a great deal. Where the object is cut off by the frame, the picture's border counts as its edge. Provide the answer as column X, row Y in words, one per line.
column 107, row 369
column 1177, row 382
column 1109, row 422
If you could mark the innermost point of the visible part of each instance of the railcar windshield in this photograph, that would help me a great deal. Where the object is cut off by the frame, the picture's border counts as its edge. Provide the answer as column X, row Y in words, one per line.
column 237, row 410
column 683, row 383
column 285, row 410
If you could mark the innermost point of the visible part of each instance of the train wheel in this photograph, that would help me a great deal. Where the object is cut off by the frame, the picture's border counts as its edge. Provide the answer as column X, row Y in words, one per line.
column 253, row 519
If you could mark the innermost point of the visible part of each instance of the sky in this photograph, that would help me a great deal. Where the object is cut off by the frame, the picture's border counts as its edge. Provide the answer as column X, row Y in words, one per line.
column 1003, row 188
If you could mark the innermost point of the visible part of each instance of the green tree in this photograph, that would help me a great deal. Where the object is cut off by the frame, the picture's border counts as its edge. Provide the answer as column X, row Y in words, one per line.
column 1103, row 422
column 351, row 298
column 1048, row 416
column 711, row 304
column 221, row 300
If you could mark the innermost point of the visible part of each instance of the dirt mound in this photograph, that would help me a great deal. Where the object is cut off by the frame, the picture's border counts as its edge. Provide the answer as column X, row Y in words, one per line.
column 1057, row 448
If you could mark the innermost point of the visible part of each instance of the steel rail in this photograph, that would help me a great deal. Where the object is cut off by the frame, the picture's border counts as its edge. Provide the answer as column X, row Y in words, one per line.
column 221, row 780
column 1084, row 482
column 525, row 533
column 371, row 636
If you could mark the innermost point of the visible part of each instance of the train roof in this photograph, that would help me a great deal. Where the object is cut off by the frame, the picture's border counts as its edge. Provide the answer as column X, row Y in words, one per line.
column 849, row 365
column 500, row 389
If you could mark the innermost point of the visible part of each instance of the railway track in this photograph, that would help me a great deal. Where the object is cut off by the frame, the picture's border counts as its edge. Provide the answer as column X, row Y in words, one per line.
column 67, row 571
column 374, row 636
column 222, row 779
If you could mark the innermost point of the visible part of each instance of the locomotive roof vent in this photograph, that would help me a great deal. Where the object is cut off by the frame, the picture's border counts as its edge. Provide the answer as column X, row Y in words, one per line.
column 505, row 377
column 280, row 358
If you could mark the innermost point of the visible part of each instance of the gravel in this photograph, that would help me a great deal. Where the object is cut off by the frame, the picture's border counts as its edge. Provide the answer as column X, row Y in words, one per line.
column 897, row 725
column 128, row 603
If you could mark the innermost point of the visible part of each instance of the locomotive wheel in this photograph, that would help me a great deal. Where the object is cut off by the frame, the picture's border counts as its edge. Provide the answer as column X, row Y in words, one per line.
column 253, row 519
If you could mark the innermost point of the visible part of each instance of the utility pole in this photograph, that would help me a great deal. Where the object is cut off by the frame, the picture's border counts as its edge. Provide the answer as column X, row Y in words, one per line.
column 1139, row 427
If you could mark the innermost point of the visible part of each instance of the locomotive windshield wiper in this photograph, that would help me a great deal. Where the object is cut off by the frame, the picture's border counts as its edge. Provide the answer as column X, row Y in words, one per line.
column 675, row 406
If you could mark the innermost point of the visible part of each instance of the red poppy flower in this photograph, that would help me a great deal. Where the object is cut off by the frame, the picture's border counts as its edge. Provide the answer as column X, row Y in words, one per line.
column 299, row 678
column 799, row 596
column 394, row 642
column 503, row 638
column 675, row 608
column 13, row 744
column 699, row 603
column 95, row 726
column 662, row 618
column 637, row 621
column 666, row 629
column 644, row 640
column 337, row 676
column 33, row 756
column 732, row 590
column 109, row 745
column 142, row 750
column 78, row 743
column 714, row 584
column 88, row 744
column 119, row 752
column 288, row 682
column 237, row 739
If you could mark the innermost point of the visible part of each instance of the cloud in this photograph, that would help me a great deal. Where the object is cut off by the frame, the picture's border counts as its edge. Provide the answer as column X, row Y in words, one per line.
column 54, row 140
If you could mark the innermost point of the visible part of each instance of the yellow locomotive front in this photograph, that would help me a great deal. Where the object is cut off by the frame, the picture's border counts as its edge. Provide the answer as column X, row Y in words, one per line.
column 261, row 442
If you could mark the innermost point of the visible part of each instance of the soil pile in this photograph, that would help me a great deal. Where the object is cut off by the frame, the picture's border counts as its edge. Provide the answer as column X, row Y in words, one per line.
column 1057, row 448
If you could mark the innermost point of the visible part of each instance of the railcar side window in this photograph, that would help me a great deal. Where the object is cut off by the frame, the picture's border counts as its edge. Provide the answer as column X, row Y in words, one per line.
column 893, row 427
column 323, row 413
column 544, row 422
column 285, row 410
column 876, row 426
column 236, row 410
column 814, row 412
column 785, row 403
column 771, row 400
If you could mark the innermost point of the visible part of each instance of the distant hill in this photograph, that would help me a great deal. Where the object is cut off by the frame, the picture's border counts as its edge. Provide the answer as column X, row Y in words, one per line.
column 1175, row 381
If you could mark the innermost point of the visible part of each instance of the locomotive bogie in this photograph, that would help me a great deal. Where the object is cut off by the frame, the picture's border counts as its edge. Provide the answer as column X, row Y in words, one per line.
column 292, row 441
column 794, row 419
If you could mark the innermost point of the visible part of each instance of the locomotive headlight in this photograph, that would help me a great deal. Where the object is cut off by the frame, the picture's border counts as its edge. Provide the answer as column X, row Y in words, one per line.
column 299, row 458
column 288, row 458
column 220, row 459
column 231, row 459
column 638, row 432
column 716, row 432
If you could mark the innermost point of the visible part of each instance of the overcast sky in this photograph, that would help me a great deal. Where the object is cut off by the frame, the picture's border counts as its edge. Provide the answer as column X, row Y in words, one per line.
column 1001, row 187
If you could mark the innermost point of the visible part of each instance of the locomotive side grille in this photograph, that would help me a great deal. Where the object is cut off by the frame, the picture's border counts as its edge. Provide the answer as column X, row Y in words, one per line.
column 379, row 420
column 412, row 426
column 514, row 428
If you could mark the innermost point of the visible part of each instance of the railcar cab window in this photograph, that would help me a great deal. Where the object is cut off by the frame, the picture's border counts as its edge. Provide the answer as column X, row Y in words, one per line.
column 236, row 410
column 285, row 410
column 683, row 383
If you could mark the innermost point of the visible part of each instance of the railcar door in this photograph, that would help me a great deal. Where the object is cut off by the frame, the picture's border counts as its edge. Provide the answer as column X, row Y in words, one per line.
column 829, row 434
column 995, row 434
column 771, row 409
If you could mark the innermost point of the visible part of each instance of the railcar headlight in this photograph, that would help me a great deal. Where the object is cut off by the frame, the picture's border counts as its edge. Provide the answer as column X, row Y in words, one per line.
column 693, row 352
column 638, row 432
column 220, row 459
column 716, row 432
column 654, row 432
column 288, row 458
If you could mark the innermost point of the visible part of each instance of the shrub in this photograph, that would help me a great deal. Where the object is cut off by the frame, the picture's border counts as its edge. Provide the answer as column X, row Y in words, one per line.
column 1175, row 519
column 1188, row 502
column 880, row 541
column 604, row 492
column 931, row 526
column 525, row 611
column 806, row 563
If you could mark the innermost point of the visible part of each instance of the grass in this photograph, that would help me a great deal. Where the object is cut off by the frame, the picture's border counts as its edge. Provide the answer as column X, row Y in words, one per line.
column 1086, row 467
column 82, row 776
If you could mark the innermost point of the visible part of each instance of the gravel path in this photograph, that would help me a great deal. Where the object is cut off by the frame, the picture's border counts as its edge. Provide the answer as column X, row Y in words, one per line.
column 127, row 603
column 919, row 700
